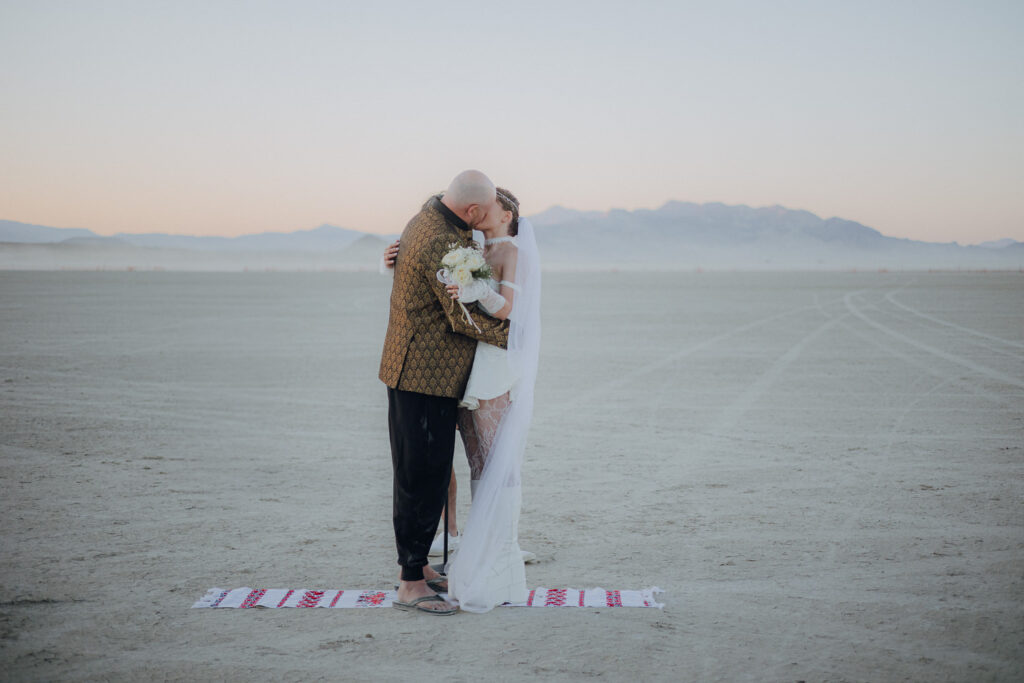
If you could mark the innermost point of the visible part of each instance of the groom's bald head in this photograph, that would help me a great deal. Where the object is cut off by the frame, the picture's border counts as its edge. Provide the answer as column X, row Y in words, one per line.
column 470, row 187
column 470, row 195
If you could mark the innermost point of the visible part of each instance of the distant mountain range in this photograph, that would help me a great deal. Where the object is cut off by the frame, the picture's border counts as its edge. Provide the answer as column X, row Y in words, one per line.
column 714, row 235
column 678, row 235
column 317, row 239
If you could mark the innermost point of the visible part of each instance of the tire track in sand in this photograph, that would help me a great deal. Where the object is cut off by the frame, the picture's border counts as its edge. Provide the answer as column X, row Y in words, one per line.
column 928, row 369
column 951, row 357
column 940, row 321
column 672, row 358
column 731, row 414
column 722, row 427
column 899, row 315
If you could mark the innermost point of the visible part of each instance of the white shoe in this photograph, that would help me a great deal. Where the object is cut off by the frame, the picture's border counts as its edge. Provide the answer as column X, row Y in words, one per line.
column 528, row 557
column 437, row 547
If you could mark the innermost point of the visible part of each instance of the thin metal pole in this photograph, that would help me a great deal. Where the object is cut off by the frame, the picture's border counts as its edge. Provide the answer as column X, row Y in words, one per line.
column 445, row 530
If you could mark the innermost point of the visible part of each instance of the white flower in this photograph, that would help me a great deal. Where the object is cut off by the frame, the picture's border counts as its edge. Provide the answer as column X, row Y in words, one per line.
column 475, row 260
column 450, row 259
column 463, row 275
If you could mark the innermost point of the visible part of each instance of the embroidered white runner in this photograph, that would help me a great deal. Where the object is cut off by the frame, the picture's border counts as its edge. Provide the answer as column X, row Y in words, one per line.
column 245, row 598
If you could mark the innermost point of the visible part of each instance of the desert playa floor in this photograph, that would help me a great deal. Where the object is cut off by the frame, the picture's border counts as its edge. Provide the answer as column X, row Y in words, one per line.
column 824, row 471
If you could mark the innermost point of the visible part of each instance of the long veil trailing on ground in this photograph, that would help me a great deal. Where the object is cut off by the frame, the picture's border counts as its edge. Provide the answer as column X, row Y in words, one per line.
column 494, row 516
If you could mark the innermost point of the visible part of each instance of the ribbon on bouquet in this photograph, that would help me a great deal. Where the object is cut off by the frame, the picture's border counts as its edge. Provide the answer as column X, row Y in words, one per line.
column 444, row 277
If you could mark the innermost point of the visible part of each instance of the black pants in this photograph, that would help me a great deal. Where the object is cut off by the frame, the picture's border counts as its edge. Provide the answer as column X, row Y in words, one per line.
column 422, row 431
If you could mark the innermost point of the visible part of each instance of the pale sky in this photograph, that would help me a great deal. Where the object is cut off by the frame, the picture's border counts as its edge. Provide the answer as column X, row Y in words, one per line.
column 225, row 118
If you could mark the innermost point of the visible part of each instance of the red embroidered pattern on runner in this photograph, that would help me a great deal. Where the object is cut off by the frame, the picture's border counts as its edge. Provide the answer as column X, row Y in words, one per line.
column 310, row 599
column 285, row 598
column 220, row 598
column 371, row 599
column 556, row 597
column 254, row 597
column 614, row 599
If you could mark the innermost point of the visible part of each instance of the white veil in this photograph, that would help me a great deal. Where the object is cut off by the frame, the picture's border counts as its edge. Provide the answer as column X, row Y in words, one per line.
column 494, row 515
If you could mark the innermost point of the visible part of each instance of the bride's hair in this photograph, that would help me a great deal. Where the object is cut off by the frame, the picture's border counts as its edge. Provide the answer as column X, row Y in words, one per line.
column 510, row 203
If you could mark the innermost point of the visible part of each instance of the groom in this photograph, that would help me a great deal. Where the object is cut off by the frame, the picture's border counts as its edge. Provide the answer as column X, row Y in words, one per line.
column 428, row 354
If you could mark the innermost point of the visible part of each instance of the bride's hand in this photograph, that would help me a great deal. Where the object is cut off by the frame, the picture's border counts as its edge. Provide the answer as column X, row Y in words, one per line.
column 453, row 291
column 390, row 254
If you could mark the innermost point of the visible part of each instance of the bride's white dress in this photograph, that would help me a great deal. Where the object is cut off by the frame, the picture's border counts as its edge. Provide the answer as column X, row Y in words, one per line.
column 492, row 376
column 506, row 580
column 487, row 570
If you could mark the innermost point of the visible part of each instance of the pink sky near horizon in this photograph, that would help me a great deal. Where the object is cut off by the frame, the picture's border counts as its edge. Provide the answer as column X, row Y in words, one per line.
column 201, row 118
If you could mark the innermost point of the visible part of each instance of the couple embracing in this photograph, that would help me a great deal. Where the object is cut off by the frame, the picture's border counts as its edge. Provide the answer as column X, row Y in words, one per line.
column 464, row 355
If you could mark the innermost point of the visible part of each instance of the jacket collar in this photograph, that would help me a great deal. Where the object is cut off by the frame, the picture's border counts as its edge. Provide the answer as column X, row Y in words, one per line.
column 450, row 216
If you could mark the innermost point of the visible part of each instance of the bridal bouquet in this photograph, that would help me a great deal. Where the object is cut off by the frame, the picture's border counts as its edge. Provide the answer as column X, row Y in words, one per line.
column 460, row 266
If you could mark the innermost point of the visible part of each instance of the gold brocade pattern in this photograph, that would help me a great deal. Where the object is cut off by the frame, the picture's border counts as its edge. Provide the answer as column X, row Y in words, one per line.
column 429, row 345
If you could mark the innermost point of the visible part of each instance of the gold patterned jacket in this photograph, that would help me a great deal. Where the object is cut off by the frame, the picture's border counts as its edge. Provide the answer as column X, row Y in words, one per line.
column 429, row 346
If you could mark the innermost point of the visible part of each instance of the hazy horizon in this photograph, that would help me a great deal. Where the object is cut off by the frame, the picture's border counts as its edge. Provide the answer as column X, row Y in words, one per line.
column 291, row 230
column 211, row 119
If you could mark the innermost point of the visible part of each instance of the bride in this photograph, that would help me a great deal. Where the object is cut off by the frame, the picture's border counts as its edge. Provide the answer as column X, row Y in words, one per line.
column 495, row 412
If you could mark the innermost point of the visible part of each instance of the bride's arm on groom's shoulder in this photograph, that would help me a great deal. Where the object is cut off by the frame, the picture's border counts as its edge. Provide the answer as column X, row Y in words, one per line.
column 492, row 331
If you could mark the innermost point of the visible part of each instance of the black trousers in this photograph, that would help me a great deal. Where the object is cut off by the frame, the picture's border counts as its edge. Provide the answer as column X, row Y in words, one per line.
column 422, row 432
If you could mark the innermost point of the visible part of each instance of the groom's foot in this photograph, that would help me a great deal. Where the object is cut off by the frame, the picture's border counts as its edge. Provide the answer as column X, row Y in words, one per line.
column 409, row 591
